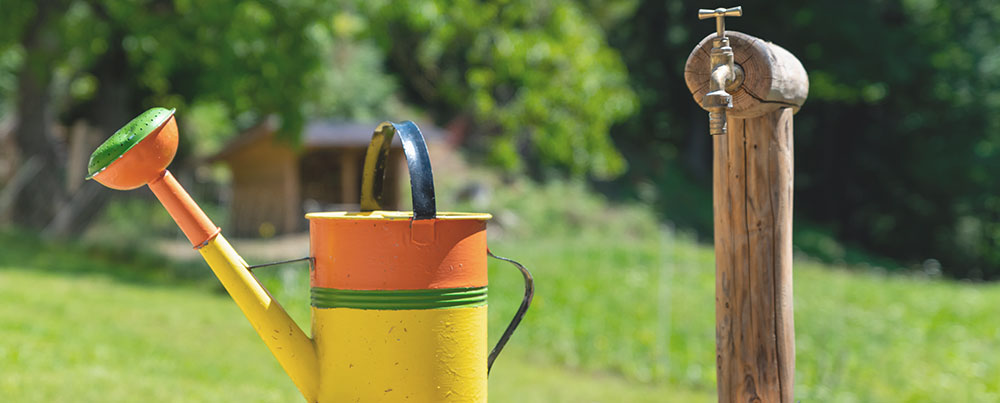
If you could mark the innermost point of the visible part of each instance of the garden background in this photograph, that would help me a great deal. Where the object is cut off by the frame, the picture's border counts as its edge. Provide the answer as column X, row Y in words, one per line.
column 574, row 128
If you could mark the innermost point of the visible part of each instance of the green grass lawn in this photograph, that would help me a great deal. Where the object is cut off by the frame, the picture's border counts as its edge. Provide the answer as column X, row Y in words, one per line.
column 92, row 338
column 628, row 320
column 624, row 311
column 88, row 324
column 647, row 311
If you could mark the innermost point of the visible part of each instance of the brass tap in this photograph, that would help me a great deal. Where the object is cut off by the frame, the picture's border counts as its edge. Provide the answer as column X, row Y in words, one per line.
column 726, row 74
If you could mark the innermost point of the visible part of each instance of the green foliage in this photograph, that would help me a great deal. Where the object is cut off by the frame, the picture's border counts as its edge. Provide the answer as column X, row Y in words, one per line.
column 224, row 61
column 537, row 77
column 897, row 145
column 209, row 122
column 920, row 182
column 10, row 60
column 255, row 57
column 354, row 81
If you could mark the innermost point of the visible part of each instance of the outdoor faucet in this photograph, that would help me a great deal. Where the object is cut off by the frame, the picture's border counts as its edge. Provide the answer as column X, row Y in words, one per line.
column 726, row 74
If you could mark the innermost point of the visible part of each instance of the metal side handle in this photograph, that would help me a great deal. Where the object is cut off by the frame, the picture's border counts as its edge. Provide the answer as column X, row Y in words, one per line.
column 529, row 293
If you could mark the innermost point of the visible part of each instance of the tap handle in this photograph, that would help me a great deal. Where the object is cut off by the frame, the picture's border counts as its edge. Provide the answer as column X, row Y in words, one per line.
column 720, row 15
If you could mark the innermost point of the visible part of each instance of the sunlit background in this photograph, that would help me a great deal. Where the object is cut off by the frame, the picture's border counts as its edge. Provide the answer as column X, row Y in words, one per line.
column 569, row 121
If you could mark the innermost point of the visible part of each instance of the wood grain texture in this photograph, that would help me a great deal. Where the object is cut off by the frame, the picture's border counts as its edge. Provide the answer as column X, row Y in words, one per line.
column 774, row 77
column 753, row 172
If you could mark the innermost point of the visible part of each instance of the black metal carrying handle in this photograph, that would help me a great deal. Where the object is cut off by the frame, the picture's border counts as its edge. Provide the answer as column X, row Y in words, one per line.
column 422, row 187
column 529, row 293
column 417, row 160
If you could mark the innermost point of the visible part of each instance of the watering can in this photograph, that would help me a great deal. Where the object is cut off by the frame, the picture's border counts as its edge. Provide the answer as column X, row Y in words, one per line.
column 398, row 298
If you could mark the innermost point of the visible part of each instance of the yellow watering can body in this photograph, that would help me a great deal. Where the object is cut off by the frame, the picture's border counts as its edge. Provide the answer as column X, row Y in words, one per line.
column 398, row 298
column 399, row 306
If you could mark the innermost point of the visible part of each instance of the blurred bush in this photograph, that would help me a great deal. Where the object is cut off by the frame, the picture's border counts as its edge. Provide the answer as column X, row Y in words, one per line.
column 897, row 146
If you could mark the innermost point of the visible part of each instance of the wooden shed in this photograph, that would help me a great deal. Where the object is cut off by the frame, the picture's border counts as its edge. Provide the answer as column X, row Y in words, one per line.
column 275, row 184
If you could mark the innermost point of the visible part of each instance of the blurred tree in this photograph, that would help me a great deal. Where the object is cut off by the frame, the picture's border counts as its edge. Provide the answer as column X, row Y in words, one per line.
column 107, row 61
column 897, row 145
column 354, row 81
column 534, row 79
column 33, row 28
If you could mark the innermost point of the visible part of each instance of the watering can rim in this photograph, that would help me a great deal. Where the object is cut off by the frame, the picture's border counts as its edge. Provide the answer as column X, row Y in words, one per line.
column 393, row 215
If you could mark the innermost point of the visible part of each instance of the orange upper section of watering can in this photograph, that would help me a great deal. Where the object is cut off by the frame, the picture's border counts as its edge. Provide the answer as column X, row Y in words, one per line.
column 387, row 250
column 144, row 162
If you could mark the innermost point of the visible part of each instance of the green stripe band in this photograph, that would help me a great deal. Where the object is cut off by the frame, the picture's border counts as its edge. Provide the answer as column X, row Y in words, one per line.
column 399, row 299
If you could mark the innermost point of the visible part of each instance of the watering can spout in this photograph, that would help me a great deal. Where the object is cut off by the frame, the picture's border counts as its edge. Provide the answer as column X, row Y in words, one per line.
column 294, row 350
column 137, row 155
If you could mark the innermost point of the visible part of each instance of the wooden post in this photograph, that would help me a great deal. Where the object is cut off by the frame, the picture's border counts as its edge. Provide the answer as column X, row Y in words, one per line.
column 752, row 174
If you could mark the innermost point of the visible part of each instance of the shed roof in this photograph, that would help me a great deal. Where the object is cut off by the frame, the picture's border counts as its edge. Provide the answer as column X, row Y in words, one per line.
column 321, row 133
